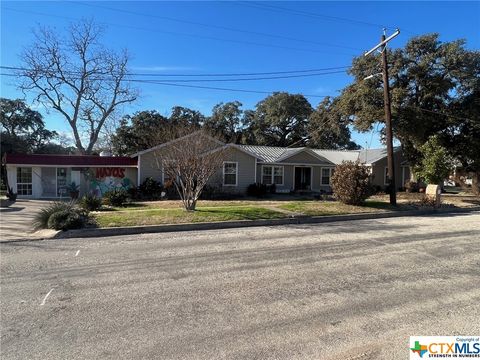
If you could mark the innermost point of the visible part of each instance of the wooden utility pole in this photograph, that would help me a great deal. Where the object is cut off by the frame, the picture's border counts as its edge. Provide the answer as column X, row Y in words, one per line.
column 388, row 115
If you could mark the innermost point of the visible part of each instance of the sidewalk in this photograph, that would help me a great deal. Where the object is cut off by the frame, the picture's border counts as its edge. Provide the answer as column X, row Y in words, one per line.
column 16, row 220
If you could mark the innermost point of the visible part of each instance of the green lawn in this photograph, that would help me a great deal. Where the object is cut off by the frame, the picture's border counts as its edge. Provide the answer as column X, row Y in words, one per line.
column 171, row 212
column 130, row 217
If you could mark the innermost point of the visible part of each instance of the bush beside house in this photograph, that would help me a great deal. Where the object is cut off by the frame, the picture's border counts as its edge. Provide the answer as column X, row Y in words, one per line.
column 350, row 183
column 60, row 216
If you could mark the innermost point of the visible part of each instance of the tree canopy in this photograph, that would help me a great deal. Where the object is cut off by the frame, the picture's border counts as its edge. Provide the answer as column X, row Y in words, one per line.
column 23, row 130
column 434, row 91
column 281, row 119
column 328, row 128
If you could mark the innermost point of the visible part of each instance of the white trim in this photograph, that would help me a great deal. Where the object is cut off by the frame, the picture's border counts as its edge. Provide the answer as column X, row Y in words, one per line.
column 236, row 173
column 273, row 174
column 139, row 162
column 256, row 161
column 308, row 151
column 329, row 177
column 311, row 175
column 25, row 183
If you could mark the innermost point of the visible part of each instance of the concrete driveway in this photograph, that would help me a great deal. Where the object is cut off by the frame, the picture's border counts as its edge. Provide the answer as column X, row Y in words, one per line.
column 16, row 220
column 345, row 290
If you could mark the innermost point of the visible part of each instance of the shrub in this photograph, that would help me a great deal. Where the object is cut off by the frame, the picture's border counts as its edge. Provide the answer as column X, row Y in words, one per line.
column 66, row 220
column 426, row 201
column 350, row 183
column 40, row 221
column 151, row 189
column 272, row 189
column 436, row 163
column 116, row 197
column 90, row 202
column 134, row 192
column 411, row 186
column 171, row 192
column 12, row 196
column 210, row 192
column 257, row 190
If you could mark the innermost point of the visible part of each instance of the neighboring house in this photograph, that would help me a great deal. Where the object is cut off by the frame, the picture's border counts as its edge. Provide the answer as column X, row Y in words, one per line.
column 290, row 169
column 49, row 176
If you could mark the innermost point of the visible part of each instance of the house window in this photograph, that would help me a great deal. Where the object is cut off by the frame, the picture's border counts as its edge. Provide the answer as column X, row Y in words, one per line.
column 385, row 176
column 272, row 175
column 327, row 175
column 230, row 173
column 24, row 181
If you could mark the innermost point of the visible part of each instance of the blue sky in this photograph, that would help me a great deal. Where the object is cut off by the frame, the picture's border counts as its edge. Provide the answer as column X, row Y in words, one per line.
column 169, row 38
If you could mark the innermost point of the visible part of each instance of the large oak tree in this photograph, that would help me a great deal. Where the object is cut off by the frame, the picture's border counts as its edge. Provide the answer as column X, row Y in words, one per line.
column 435, row 91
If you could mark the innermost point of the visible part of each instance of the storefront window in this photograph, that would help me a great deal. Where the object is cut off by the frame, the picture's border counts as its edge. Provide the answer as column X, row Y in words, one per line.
column 24, row 181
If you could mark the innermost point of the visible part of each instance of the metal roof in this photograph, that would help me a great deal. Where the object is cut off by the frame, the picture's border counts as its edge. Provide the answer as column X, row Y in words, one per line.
column 268, row 153
column 373, row 155
column 337, row 156
column 271, row 154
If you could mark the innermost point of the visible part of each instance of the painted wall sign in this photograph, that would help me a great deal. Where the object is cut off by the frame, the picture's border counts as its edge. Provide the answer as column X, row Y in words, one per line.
column 100, row 173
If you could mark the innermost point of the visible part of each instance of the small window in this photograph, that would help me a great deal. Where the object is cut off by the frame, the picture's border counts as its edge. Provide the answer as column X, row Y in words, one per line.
column 278, row 175
column 267, row 175
column 230, row 173
column 385, row 177
column 24, row 181
column 272, row 175
column 326, row 175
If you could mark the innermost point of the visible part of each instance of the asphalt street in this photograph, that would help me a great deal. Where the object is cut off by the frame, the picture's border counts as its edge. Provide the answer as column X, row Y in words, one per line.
column 345, row 290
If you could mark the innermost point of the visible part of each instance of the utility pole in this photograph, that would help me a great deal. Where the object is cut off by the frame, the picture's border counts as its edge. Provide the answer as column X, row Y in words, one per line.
column 388, row 114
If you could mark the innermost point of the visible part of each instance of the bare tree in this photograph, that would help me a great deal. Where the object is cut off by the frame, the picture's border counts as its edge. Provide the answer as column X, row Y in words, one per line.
column 78, row 77
column 189, row 162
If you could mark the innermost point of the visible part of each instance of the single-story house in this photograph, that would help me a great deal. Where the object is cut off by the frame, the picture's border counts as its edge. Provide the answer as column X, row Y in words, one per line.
column 290, row 169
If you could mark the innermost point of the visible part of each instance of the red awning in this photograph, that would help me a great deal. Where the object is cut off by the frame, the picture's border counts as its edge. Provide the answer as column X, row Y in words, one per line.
column 69, row 160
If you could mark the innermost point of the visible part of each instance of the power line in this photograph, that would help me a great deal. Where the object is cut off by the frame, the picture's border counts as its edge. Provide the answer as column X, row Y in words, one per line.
column 311, row 14
column 439, row 113
column 204, row 87
column 210, row 75
column 249, row 79
column 216, row 26
column 188, row 80
column 181, row 34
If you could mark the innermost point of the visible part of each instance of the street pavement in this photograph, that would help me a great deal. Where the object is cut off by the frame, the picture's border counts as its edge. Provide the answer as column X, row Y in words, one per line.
column 344, row 290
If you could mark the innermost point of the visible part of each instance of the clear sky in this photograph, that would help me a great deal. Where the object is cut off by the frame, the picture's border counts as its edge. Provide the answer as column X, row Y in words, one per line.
column 200, row 37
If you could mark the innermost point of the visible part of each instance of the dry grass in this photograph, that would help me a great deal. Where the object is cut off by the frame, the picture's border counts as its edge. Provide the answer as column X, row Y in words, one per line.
column 171, row 211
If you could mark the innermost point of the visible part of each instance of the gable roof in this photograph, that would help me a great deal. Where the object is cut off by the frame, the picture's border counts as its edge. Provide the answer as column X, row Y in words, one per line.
column 266, row 153
column 195, row 133
column 370, row 156
column 295, row 151
column 272, row 154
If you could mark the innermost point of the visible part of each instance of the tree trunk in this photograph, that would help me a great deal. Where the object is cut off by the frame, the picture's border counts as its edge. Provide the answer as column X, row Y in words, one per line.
column 476, row 183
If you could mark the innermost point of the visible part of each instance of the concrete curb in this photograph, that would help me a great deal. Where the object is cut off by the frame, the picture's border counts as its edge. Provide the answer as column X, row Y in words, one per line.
column 248, row 223
column 132, row 230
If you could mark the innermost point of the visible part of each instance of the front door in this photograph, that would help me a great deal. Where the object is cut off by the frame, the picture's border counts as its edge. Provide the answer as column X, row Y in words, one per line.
column 303, row 178
column 62, row 182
